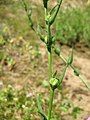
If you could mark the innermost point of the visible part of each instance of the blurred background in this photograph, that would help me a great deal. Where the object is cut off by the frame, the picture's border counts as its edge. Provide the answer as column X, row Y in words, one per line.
column 21, row 51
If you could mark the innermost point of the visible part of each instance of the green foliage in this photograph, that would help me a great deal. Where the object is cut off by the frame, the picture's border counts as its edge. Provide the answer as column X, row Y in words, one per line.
column 86, row 25
column 9, row 60
column 4, row 34
column 76, row 111
column 16, row 104
column 1, row 55
column 65, row 105
column 73, row 26
column 10, row 18
column 6, row 2
column 2, row 41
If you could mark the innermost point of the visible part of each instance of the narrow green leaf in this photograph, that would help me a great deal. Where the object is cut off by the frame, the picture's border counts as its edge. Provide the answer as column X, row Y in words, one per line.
column 54, row 75
column 77, row 73
column 39, row 104
column 63, row 74
column 53, row 9
column 29, row 13
column 39, row 32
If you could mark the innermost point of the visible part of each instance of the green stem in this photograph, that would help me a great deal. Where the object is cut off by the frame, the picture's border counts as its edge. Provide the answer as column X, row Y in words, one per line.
column 50, row 64
column 49, row 48
column 50, row 72
column 51, row 91
column 50, row 103
column 80, row 77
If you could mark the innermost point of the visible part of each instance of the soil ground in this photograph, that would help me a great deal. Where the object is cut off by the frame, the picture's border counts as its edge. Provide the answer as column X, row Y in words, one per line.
column 32, row 71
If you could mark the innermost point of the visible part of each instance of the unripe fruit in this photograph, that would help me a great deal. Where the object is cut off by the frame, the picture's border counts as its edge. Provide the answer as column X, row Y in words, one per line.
column 54, row 83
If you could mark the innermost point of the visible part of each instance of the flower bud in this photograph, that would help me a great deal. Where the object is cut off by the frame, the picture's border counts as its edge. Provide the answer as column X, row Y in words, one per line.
column 57, row 51
column 54, row 83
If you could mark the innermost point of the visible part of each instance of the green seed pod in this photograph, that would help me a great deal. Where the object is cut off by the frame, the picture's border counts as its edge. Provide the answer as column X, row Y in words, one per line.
column 54, row 12
column 76, row 72
column 54, row 83
column 70, row 59
column 57, row 51
column 53, row 39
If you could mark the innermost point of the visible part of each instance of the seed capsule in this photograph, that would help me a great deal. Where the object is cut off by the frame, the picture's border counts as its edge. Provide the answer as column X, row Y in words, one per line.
column 57, row 51
column 70, row 59
column 76, row 72
column 54, row 83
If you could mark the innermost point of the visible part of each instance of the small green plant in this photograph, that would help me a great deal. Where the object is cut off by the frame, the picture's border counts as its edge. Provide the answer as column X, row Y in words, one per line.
column 4, row 34
column 16, row 104
column 49, row 40
column 73, row 29
column 5, row 2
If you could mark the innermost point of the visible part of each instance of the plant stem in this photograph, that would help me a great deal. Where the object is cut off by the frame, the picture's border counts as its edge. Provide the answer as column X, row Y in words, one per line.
column 50, row 67
column 50, row 64
column 80, row 77
column 50, row 103
column 49, row 48
column 51, row 90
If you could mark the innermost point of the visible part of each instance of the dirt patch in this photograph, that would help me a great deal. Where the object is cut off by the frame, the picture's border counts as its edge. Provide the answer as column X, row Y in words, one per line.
column 30, row 70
